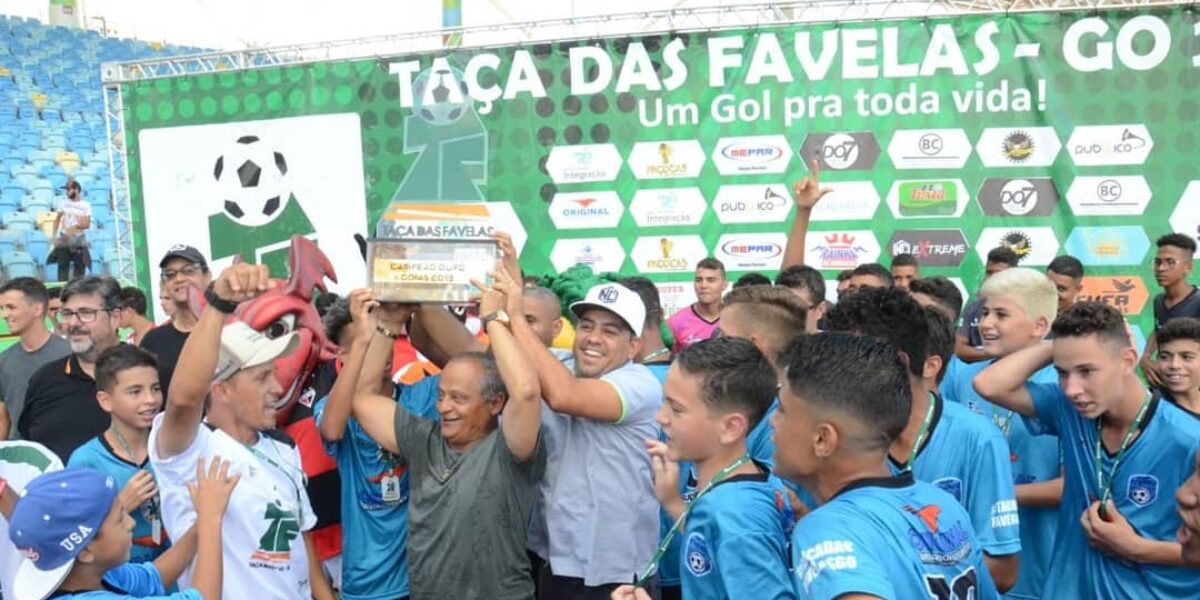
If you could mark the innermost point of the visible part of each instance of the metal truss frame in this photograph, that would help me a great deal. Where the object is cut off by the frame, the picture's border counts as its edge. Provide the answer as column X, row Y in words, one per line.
column 581, row 28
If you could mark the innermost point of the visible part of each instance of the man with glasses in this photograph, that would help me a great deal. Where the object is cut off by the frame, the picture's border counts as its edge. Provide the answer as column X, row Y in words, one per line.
column 61, row 411
column 181, row 268
column 1172, row 265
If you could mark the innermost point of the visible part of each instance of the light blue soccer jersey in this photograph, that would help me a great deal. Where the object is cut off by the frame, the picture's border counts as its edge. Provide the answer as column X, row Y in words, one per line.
column 375, row 503
column 134, row 581
column 1143, row 491
column 96, row 454
column 735, row 541
column 966, row 457
column 894, row 538
column 1035, row 458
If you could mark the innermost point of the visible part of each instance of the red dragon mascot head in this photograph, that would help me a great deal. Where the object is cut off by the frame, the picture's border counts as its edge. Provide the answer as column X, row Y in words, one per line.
column 288, row 307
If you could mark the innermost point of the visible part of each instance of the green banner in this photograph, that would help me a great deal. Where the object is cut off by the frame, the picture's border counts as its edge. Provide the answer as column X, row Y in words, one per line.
column 1047, row 132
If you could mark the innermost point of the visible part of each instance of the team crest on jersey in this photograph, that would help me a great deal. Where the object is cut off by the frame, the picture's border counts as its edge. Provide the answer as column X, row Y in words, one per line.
column 699, row 561
column 308, row 397
column 950, row 485
column 1143, row 489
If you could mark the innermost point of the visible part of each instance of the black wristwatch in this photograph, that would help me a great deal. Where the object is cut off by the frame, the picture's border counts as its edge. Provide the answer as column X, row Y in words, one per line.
column 222, row 305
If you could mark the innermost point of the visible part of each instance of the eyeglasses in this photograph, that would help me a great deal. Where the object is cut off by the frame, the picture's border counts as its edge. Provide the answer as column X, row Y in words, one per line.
column 1169, row 263
column 186, row 271
column 86, row 315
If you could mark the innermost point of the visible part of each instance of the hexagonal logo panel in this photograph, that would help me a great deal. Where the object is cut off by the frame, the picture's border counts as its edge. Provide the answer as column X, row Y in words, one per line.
column 668, row 207
column 1111, row 196
column 929, row 149
column 857, row 151
column 670, row 159
column 584, row 163
column 586, row 210
column 1018, row 146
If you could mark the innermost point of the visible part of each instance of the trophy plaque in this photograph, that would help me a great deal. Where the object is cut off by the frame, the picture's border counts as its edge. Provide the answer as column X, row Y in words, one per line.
column 429, row 270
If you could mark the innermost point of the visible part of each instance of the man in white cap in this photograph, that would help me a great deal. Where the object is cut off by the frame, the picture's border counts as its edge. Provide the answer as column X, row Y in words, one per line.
column 231, row 368
column 597, row 495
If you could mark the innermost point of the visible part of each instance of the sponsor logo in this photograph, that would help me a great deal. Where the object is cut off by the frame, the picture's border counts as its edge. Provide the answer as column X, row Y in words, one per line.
column 1126, row 293
column 1186, row 216
column 699, row 561
column 675, row 296
column 933, row 544
column 1004, row 514
column 1143, row 490
column 751, row 251
column 1034, row 246
column 848, row 201
column 1109, row 145
column 830, row 555
column 749, row 155
column 668, row 253
column 666, row 159
column 1109, row 245
column 840, row 250
column 842, row 151
column 1109, row 196
column 752, row 203
column 275, row 546
column 601, row 254
column 929, row 149
column 586, row 210
column 1018, row 147
column 927, row 198
column 950, row 485
column 1018, row 197
column 584, row 163
column 668, row 207
column 932, row 247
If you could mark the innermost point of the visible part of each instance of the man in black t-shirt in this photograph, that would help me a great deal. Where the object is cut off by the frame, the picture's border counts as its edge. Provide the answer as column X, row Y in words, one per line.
column 1172, row 265
column 181, row 268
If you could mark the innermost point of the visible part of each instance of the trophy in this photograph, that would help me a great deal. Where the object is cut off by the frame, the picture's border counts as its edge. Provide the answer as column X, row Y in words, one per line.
column 415, row 258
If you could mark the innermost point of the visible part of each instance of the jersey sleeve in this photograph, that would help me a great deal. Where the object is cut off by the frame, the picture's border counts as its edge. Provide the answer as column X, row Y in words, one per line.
column 420, row 398
column 639, row 391
column 173, row 474
column 991, row 501
column 330, row 446
column 83, row 458
column 144, row 582
column 1049, row 403
column 829, row 562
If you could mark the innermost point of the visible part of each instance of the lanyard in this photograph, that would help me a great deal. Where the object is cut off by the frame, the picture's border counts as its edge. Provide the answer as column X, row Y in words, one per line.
column 287, row 474
column 1134, row 426
column 151, row 504
column 721, row 475
column 921, row 434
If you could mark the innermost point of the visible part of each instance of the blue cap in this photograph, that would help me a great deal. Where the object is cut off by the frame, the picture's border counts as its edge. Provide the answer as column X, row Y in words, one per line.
column 58, row 515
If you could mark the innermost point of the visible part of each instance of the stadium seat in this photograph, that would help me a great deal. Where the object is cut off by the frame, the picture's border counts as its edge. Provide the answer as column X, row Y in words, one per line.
column 19, row 221
column 19, row 264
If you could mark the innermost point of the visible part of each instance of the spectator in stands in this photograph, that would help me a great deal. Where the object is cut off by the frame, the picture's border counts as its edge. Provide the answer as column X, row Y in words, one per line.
column 808, row 285
column 697, row 322
column 61, row 410
column 165, row 303
column 24, row 301
column 133, row 313
column 1066, row 273
column 870, row 275
column 905, row 268
column 843, row 282
column 940, row 293
column 70, row 240
column 751, row 279
column 52, row 309
column 1172, row 265
column 182, row 267
column 968, row 346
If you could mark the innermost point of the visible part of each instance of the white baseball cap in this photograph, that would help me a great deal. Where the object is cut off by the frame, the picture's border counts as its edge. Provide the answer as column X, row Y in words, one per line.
column 617, row 299
column 242, row 348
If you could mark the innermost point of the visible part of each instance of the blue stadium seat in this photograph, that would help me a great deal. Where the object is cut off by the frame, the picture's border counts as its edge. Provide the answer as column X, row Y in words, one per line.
column 19, row 221
column 37, row 246
column 51, row 271
column 19, row 264
column 13, row 194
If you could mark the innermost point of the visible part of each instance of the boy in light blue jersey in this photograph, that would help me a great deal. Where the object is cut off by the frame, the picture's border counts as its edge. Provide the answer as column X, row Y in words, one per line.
column 845, row 399
column 1124, row 450
column 734, row 530
column 1019, row 306
column 374, row 493
column 127, row 388
column 944, row 443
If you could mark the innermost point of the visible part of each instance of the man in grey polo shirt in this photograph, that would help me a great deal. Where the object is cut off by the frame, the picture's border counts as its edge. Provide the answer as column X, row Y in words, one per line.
column 601, row 518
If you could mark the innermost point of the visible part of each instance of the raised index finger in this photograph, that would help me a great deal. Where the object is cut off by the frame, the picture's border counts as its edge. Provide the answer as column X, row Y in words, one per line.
column 816, row 170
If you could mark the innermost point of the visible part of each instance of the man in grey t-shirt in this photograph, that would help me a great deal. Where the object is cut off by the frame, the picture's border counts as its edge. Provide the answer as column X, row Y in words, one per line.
column 601, row 518
column 24, row 301
column 471, row 479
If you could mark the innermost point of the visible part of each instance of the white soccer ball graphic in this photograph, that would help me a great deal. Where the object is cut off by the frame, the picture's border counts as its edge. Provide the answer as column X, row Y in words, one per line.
column 252, row 179
column 436, row 101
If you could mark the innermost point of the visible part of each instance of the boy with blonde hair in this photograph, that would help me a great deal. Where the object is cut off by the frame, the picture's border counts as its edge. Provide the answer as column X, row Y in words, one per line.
column 1019, row 306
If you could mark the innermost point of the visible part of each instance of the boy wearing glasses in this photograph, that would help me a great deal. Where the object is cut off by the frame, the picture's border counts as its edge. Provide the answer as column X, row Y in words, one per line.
column 61, row 411
column 1172, row 265
column 181, row 268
